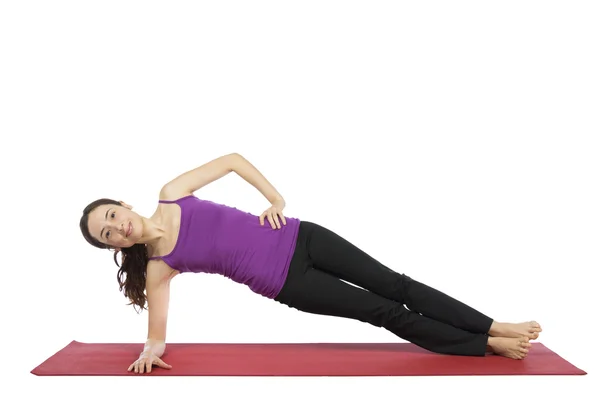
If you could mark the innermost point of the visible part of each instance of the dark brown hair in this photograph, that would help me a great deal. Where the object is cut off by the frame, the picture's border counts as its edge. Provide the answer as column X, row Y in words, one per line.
column 135, row 259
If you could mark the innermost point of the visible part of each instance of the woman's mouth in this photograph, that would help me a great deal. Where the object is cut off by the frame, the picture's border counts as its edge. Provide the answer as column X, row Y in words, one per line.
column 129, row 229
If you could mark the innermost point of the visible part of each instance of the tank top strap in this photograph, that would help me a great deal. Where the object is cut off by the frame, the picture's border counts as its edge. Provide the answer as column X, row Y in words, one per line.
column 169, row 201
column 174, row 201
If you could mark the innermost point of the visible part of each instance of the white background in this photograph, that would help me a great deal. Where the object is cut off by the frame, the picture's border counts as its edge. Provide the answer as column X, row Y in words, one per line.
column 454, row 141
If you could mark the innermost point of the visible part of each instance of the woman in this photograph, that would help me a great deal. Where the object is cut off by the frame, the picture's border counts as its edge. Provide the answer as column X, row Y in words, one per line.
column 297, row 263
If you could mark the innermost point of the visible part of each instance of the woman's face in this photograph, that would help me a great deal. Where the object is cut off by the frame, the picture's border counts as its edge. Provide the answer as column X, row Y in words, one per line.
column 115, row 225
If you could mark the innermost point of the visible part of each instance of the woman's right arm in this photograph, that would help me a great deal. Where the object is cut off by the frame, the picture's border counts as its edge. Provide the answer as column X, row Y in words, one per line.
column 158, row 282
column 158, row 279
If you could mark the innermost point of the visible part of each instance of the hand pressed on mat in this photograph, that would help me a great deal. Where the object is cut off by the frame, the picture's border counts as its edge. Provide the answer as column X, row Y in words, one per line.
column 145, row 362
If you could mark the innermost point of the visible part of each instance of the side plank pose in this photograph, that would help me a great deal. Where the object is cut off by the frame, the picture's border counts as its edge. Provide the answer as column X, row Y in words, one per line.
column 297, row 263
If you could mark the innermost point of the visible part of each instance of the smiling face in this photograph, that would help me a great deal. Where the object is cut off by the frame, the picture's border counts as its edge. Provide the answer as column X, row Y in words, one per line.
column 115, row 225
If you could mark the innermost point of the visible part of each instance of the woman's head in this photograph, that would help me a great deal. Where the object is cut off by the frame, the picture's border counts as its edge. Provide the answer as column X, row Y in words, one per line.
column 109, row 224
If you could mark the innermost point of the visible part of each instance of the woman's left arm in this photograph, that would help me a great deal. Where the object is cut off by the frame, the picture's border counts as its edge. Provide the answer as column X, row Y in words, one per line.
column 247, row 171
column 190, row 181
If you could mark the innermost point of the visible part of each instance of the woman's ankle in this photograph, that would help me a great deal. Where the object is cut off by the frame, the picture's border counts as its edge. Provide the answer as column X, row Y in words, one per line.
column 495, row 328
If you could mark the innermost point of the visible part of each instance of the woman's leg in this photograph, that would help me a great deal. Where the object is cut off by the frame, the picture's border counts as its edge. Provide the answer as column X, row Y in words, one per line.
column 333, row 254
column 314, row 291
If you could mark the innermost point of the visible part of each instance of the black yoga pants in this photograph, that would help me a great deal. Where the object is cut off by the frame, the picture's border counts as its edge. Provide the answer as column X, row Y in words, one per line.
column 411, row 310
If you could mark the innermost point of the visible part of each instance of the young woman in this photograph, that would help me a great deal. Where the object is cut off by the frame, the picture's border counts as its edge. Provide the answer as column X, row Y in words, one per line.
column 297, row 263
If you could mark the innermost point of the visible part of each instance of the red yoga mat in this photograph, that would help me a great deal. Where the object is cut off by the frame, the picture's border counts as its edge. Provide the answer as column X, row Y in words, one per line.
column 297, row 359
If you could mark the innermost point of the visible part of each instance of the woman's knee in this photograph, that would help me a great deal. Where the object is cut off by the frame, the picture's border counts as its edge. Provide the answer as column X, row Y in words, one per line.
column 386, row 315
column 402, row 287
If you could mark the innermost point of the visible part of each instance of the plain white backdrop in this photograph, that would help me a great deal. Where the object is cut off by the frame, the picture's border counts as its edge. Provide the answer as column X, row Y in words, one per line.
column 454, row 141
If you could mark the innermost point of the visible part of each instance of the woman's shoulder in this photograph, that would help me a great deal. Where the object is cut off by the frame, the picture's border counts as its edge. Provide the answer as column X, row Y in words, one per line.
column 158, row 270
column 164, row 201
column 169, row 194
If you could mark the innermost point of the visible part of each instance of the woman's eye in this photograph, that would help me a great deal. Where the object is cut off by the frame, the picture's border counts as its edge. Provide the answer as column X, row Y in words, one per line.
column 112, row 215
column 108, row 234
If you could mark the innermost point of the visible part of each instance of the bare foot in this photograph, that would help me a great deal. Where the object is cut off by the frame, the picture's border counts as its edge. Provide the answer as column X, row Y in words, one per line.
column 529, row 330
column 514, row 348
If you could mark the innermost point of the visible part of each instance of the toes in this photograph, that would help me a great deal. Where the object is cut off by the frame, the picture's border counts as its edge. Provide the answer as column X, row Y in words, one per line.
column 524, row 345
column 522, row 353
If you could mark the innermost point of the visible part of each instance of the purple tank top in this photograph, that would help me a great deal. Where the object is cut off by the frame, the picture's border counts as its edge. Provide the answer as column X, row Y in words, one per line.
column 215, row 238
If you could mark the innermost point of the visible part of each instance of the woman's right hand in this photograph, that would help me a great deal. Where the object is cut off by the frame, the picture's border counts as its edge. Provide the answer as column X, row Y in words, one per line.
column 145, row 362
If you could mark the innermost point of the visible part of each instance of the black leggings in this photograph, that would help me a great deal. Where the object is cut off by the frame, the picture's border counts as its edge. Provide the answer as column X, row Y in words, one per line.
column 411, row 310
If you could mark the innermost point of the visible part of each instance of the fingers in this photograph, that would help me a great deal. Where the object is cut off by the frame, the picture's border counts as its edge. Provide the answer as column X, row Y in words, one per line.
column 133, row 367
column 272, row 221
column 269, row 217
column 275, row 219
column 145, row 365
column 140, row 367
column 162, row 364
column 279, row 218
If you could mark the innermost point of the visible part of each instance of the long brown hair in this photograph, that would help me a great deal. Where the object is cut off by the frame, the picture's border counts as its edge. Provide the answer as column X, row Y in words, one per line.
column 135, row 260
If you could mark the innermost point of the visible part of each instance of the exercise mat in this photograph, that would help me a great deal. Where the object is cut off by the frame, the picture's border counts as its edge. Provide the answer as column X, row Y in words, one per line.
column 297, row 359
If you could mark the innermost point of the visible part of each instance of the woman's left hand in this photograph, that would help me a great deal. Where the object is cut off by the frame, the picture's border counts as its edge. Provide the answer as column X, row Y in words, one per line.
column 273, row 214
